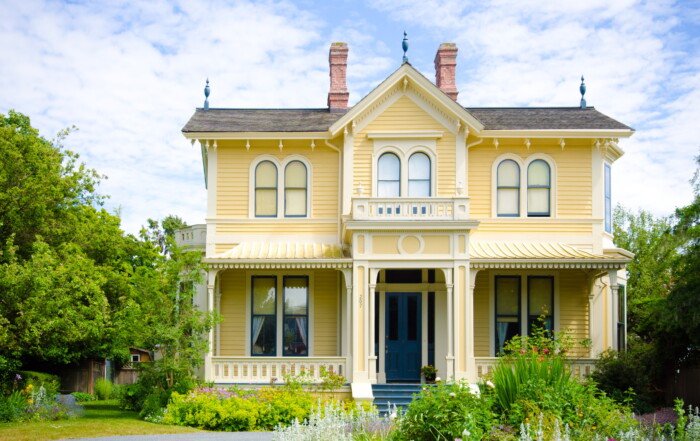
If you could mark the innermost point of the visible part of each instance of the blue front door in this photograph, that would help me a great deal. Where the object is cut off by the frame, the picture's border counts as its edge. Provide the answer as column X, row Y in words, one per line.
column 403, row 336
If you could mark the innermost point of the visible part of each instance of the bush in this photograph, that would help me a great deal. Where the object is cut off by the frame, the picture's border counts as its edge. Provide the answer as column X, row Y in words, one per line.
column 12, row 407
column 81, row 397
column 446, row 412
column 9, row 377
column 50, row 382
column 103, row 389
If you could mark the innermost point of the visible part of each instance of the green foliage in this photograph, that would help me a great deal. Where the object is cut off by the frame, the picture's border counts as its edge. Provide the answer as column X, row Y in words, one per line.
column 103, row 389
column 51, row 383
column 628, row 377
column 12, row 406
column 331, row 381
column 429, row 372
column 83, row 397
column 445, row 412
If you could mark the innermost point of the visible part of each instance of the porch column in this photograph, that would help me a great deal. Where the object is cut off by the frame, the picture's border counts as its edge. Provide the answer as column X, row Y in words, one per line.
column 450, row 358
column 218, row 325
column 469, row 327
column 211, row 285
column 372, row 359
column 613, row 302
column 346, row 320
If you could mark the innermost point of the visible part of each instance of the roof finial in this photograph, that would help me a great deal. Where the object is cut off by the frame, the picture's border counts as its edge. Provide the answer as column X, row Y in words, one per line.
column 404, row 45
column 207, row 90
column 582, row 89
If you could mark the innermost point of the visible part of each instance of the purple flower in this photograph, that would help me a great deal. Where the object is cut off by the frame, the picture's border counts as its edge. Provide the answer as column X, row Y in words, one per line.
column 18, row 377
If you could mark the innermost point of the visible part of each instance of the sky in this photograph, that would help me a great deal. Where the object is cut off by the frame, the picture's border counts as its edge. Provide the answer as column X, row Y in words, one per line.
column 129, row 75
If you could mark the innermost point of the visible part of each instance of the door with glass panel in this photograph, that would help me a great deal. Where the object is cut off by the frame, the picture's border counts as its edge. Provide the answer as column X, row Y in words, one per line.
column 403, row 337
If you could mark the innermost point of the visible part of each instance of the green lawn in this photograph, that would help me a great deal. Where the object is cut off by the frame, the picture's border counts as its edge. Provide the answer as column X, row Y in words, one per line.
column 101, row 418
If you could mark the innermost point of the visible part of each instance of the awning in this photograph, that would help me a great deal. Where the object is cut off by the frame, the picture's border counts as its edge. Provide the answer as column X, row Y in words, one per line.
column 486, row 254
column 289, row 254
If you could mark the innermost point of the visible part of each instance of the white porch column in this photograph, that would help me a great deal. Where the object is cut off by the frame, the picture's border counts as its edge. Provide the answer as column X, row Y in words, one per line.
column 218, row 325
column 469, row 327
column 450, row 358
column 347, row 317
column 211, row 285
column 372, row 359
column 613, row 302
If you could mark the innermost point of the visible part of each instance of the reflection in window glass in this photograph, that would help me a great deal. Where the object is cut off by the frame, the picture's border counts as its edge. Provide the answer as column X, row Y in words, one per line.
column 388, row 176
column 419, row 175
column 508, row 189
column 264, row 327
column 540, row 302
column 507, row 310
column 296, row 316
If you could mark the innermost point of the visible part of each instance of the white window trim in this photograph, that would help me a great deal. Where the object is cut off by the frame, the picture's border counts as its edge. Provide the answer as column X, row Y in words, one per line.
column 138, row 358
column 524, row 163
column 279, row 318
column 523, row 301
column 281, row 166
column 403, row 149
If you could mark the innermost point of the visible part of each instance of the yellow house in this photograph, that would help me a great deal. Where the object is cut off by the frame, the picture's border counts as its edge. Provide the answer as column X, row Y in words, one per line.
column 403, row 231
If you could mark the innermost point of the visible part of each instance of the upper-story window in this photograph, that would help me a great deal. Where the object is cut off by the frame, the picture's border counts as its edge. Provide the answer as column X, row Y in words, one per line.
column 608, row 200
column 281, row 188
column 508, row 189
column 524, row 187
column 539, row 185
column 419, row 175
column 295, row 189
column 266, row 189
column 388, row 176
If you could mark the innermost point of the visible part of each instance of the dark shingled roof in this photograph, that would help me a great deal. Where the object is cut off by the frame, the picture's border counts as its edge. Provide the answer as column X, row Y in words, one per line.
column 544, row 118
column 261, row 120
column 319, row 120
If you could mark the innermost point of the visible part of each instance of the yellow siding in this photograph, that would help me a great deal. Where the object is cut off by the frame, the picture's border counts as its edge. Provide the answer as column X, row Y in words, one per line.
column 573, row 308
column 540, row 226
column 233, row 175
column 404, row 114
column 289, row 227
column 573, row 174
column 436, row 244
column 233, row 309
column 325, row 313
column 482, row 346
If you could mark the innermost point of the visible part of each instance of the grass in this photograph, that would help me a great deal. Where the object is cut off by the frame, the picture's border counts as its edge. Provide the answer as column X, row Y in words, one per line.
column 101, row 418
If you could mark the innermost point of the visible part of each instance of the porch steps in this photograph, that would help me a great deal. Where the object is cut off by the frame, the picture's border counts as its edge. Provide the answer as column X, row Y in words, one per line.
column 386, row 396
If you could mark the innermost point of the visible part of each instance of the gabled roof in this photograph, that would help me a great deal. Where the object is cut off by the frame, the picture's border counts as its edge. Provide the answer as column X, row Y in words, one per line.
column 261, row 120
column 544, row 118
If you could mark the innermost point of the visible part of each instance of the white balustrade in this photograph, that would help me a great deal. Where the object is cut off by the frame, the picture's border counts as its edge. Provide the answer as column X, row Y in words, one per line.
column 456, row 208
column 272, row 369
column 194, row 236
column 580, row 367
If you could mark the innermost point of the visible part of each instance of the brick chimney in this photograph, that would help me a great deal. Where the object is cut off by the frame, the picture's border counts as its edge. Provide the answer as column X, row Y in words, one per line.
column 445, row 66
column 338, row 60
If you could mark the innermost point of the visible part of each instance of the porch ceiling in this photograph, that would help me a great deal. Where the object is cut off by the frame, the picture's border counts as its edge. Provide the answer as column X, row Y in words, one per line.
column 542, row 255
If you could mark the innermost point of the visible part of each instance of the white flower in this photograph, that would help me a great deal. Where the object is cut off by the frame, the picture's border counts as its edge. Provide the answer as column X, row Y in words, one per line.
column 392, row 416
column 466, row 433
column 490, row 384
column 452, row 394
column 437, row 379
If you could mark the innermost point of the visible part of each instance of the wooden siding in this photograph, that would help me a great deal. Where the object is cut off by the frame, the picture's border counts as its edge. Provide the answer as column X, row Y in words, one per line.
column 325, row 313
column 573, row 308
column 573, row 174
column 233, row 310
column 279, row 226
column 482, row 317
column 404, row 114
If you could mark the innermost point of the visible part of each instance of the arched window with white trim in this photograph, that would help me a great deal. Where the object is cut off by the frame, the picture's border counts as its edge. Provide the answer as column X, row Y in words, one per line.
column 388, row 176
column 295, row 189
column 266, row 189
column 508, row 189
column 419, row 175
column 539, row 189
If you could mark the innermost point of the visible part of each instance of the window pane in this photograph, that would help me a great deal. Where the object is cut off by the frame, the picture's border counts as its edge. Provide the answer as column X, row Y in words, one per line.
column 538, row 173
column 388, row 189
column 263, row 335
column 296, row 336
column 266, row 202
column 264, row 295
column 295, row 174
column 393, row 319
column 413, row 319
column 419, row 166
column 507, row 295
column 508, row 174
column 419, row 189
column 266, row 175
column 506, row 328
column 389, row 167
column 296, row 295
column 295, row 202
column 608, row 200
column 540, row 296
column 538, row 200
column 508, row 201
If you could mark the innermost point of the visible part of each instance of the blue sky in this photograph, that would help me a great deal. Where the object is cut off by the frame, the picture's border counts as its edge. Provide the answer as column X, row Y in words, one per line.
column 129, row 75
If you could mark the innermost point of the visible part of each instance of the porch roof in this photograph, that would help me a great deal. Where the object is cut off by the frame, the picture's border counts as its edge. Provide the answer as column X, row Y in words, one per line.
column 288, row 254
column 487, row 254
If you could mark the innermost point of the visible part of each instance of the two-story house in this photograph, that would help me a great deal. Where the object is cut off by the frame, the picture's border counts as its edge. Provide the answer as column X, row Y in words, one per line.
column 403, row 231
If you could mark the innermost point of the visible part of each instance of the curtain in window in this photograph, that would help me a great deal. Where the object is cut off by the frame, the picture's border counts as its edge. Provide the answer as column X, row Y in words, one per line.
column 266, row 189
column 419, row 175
column 388, row 176
column 538, row 188
column 508, row 188
column 540, row 302
column 507, row 310
column 296, row 301
column 264, row 327
column 295, row 189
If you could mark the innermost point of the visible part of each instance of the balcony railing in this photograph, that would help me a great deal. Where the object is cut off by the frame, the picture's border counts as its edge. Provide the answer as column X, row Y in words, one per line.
column 456, row 208
column 272, row 369
column 580, row 367
column 194, row 236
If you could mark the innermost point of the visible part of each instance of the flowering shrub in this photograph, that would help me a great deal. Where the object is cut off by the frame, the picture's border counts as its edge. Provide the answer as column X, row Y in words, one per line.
column 32, row 404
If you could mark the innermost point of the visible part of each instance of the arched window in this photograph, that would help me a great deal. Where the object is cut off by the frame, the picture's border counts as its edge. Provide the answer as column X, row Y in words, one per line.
column 539, row 185
column 508, row 189
column 266, row 189
column 419, row 175
column 295, row 189
column 388, row 176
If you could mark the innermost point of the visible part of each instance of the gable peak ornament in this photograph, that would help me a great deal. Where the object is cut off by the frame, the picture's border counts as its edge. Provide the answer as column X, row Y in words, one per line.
column 582, row 89
column 404, row 45
column 207, row 91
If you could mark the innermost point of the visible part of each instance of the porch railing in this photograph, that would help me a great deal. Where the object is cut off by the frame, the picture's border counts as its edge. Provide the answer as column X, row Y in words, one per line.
column 580, row 367
column 272, row 369
column 456, row 208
